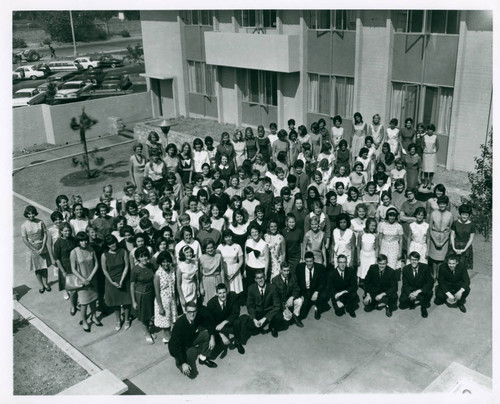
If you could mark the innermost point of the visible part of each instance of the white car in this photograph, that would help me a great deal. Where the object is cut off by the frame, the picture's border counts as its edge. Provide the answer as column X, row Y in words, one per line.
column 87, row 63
column 27, row 96
column 27, row 72
column 73, row 90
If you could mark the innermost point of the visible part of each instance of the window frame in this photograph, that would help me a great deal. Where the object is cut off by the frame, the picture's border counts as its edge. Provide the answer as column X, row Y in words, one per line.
column 427, row 22
column 187, row 17
column 205, row 68
column 333, row 108
column 259, row 18
column 332, row 18
column 263, row 76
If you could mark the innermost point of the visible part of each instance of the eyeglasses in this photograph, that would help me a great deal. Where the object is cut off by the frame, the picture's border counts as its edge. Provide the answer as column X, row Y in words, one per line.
column 191, row 311
column 260, row 277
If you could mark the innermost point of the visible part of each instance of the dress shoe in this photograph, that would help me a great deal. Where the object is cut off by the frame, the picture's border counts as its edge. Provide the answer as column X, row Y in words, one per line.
column 424, row 313
column 388, row 311
column 48, row 288
column 274, row 333
column 340, row 312
column 317, row 314
column 298, row 322
column 41, row 290
column 240, row 348
column 352, row 313
column 462, row 308
column 207, row 362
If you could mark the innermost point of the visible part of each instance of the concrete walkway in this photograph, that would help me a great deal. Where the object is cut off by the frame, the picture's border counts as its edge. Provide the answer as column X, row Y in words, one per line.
column 368, row 354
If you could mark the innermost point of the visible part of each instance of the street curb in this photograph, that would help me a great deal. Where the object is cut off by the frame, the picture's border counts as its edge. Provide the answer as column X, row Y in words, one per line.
column 61, row 343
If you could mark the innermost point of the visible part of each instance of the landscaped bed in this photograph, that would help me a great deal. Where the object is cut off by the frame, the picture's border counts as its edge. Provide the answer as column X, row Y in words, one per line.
column 40, row 367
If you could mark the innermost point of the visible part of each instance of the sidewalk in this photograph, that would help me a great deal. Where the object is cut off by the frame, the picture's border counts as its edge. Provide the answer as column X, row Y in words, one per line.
column 368, row 354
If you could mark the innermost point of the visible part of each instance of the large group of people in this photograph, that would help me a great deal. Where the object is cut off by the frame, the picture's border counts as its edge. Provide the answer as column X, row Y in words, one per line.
column 282, row 223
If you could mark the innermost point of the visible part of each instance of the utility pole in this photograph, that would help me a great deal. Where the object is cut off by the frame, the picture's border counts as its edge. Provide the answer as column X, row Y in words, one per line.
column 72, row 32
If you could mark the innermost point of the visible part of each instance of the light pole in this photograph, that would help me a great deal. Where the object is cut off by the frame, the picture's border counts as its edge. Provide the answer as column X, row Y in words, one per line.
column 72, row 32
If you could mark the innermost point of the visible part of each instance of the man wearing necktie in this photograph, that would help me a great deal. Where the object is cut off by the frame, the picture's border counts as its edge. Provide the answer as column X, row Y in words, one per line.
column 381, row 287
column 263, row 305
column 343, row 287
column 224, row 308
column 417, row 285
column 311, row 278
column 289, row 293
column 453, row 283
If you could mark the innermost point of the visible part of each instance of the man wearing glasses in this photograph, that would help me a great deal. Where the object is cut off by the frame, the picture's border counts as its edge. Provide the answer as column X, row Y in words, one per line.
column 417, row 285
column 343, row 287
column 263, row 305
column 192, row 332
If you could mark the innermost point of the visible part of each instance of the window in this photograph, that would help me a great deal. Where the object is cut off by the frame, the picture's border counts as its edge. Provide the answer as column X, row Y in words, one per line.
column 201, row 78
column 260, row 87
column 197, row 17
column 256, row 18
column 434, row 22
column 435, row 107
column 331, row 95
column 344, row 20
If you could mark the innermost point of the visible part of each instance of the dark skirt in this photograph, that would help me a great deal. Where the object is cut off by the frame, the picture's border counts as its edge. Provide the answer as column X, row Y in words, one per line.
column 145, row 306
column 114, row 297
column 466, row 259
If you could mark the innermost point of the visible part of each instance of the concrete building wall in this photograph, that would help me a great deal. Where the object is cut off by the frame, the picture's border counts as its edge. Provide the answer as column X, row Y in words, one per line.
column 472, row 97
column 229, row 111
column 372, row 78
column 225, row 20
column 289, row 99
column 29, row 127
column 164, row 58
column 290, row 21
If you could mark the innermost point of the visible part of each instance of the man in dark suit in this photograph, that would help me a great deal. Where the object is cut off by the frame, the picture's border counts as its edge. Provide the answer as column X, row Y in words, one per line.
column 289, row 293
column 225, row 311
column 263, row 305
column 417, row 285
column 381, row 287
column 311, row 278
column 188, row 334
column 343, row 287
column 453, row 283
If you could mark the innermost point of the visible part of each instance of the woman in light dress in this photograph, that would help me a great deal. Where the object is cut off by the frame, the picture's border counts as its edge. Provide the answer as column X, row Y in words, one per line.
column 165, row 297
column 367, row 248
column 188, row 277
column 337, row 132
column 314, row 241
column 440, row 222
column 419, row 235
column 232, row 256
column 240, row 148
column 210, row 269
column 429, row 161
column 34, row 235
column 377, row 132
column 391, row 239
column 277, row 248
column 393, row 137
column 343, row 239
column 359, row 129
column 137, row 163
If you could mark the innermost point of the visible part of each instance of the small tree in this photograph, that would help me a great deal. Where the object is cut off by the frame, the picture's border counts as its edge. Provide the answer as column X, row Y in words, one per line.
column 83, row 124
column 481, row 196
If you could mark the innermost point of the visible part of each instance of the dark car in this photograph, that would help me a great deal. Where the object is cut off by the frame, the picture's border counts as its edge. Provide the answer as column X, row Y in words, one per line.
column 109, row 61
column 96, row 76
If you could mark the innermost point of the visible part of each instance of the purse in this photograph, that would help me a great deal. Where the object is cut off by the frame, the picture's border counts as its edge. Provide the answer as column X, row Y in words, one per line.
column 72, row 282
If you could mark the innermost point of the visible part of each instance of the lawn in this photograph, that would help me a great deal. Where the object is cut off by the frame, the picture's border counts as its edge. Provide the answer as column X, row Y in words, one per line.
column 40, row 367
column 199, row 127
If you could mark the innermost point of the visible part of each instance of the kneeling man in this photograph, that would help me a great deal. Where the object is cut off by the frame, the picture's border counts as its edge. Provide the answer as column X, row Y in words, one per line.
column 381, row 287
column 343, row 287
column 289, row 294
column 453, row 283
column 417, row 285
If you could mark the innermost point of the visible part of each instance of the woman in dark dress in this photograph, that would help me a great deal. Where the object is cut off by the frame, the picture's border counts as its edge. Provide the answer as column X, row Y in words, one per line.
column 293, row 240
column 332, row 208
column 252, row 144
column 142, row 290
column 115, row 267
column 225, row 147
column 186, row 163
column 343, row 157
column 462, row 236
column 62, row 249
column 407, row 135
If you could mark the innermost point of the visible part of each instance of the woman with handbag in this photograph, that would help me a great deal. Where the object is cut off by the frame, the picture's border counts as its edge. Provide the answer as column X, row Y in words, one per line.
column 84, row 265
column 62, row 249
column 115, row 267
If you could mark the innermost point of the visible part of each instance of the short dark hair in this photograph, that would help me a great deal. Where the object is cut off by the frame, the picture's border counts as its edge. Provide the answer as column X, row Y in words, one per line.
column 54, row 216
column 220, row 286
column 164, row 256
column 110, row 240
column 30, row 209
column 415, row 254
column 81, row 236
column 142, row 252
column 308, row 254
column 382, row 257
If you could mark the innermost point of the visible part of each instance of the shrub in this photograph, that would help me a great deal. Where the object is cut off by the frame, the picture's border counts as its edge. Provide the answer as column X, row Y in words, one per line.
column 18, row 43
column 47, row 41
column 125, row 33
column 481, row 196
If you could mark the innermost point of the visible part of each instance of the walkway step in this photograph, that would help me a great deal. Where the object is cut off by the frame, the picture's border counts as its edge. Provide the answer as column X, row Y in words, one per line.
column 102, row 383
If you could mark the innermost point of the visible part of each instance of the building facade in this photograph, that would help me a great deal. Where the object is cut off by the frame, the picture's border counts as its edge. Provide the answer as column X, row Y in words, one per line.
column 253, row 67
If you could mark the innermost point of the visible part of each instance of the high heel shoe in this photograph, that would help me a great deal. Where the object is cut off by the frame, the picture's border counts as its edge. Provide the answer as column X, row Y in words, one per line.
column 48, row 288
column 41, row 290
column 72, row 311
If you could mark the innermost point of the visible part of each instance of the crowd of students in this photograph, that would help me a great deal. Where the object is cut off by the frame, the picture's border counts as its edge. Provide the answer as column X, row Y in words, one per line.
column 196, row 221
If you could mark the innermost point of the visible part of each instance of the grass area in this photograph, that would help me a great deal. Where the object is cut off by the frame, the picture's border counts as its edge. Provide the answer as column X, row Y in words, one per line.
column 200, row 127
column 33, row 149
column 40, row 367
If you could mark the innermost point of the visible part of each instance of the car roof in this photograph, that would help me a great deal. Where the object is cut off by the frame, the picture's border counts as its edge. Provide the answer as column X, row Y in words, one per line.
column 25, row 90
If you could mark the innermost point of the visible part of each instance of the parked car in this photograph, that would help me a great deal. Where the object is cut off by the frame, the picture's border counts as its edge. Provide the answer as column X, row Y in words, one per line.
column 73, row 90
column 87, row 62
column 28, row 72
column 96, row 76
column 27, row 96
column 27, row 55
column 64, row 65
column 109, row 61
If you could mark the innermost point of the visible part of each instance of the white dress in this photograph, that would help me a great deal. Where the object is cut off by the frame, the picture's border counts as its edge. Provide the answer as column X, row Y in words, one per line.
column 233, row 256
column 392, row 139
column 188, row 272
column 337, row 136
column 367, row 254
column 418, row 241
column 218, row 224
column 378, row 136
column 239, row 151
column 274, row 241
column 343, row 244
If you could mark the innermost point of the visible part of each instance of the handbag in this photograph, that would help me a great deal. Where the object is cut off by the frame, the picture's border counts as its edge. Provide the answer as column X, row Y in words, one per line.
column 72, row 282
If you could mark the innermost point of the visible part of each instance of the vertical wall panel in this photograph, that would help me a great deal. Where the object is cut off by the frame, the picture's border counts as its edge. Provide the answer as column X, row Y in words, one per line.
column 343, row 49
column 407, row 58
column 318, row 52
column 441, row 60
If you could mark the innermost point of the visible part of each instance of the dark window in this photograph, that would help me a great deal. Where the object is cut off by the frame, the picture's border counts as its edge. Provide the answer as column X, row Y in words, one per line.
column 415, row 21
column 269, row 18
column 438, row 21
column 452, row 22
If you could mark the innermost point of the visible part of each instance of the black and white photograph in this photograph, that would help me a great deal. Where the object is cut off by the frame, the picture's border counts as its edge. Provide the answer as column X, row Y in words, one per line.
column 258, row 202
